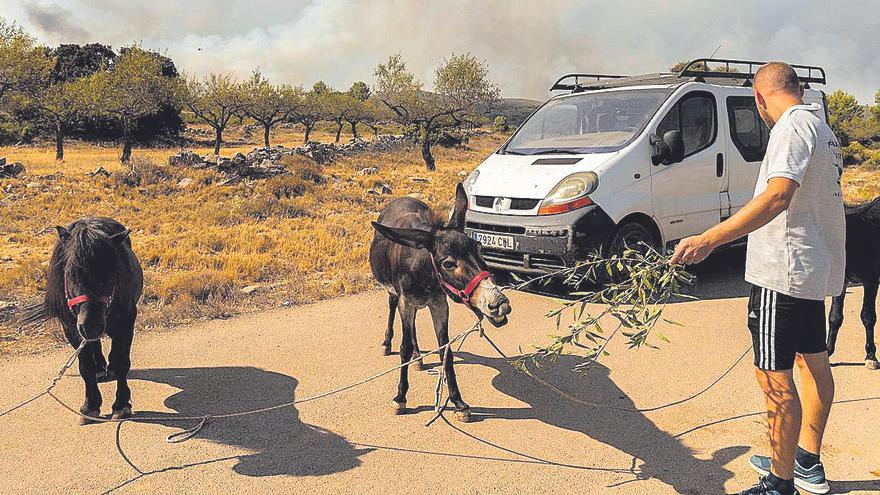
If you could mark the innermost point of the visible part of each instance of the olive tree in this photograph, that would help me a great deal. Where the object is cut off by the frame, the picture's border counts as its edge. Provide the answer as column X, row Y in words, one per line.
column 24, row 66
column 268, row 104
column 134, row 87
column 311, row 108
column 60, row 107
column 215, row 99
column 460, row 83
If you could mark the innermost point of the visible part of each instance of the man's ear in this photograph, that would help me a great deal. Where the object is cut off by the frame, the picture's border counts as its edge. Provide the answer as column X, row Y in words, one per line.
column 456, row 220
column 414, row 238
column 759, row 100
column 63, row 233
column 118, row 238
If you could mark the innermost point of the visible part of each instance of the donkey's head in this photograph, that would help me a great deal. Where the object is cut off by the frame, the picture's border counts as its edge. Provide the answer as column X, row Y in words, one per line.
column 457, row 261
column 89, row 265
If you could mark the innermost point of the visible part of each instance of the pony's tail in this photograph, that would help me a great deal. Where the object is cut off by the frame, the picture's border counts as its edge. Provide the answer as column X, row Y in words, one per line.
column 33, row 314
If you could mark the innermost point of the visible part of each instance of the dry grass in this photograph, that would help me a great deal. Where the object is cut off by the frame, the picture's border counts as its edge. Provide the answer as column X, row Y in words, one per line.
column 300, row 237
column 861, row 184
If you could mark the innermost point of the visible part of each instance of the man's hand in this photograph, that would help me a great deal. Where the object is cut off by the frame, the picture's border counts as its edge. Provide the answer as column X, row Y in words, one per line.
column 692, row 250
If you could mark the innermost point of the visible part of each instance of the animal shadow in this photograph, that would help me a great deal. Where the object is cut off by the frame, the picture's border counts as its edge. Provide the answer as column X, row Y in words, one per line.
column 282, row 444
column 656, row 453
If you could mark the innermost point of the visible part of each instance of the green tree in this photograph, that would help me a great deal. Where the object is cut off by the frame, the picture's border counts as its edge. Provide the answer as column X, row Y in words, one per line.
column 343, row 108
column 24, row 66
column 60, row 107
column 500, row 124
column 844, row 113
column 215, row 99
column 268, row 104
column 360, row 91
column 460, row 83
column 310, row 109
column 133, row 88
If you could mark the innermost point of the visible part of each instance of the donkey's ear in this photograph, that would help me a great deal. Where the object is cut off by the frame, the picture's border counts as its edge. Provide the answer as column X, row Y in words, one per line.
column 456, row 220
column 120, row 237
column 63, row 233
column 414, row 238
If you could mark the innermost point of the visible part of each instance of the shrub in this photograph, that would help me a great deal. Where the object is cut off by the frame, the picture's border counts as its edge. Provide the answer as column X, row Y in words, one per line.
column 500, row 124
column 304, row 168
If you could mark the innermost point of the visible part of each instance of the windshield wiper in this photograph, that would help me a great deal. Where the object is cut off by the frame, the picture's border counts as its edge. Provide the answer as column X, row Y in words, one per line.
column 511, row 152
column 556, row 152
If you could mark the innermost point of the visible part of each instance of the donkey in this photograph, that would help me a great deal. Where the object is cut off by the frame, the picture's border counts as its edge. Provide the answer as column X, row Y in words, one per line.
column 93, row 286
column 862, row 265
column 420, row 260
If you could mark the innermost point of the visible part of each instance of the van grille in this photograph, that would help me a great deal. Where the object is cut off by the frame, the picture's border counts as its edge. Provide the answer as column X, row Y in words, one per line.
column 514, row 259
column 515, row 203
column 504, row 229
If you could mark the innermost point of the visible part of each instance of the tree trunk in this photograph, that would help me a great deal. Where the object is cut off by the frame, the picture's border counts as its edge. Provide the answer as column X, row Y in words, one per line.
column 126, row 143
column 338, row 130
column 308, row 131
column 354, row 130
column 59, row 142
column 426, row 149
column 218, row 138
column 266, row 129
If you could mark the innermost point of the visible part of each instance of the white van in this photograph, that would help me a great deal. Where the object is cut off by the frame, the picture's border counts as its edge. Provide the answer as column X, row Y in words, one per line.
column 619, row 160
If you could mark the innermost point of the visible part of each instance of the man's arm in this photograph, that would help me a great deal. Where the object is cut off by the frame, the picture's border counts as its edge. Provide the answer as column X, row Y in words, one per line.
column 755, row 214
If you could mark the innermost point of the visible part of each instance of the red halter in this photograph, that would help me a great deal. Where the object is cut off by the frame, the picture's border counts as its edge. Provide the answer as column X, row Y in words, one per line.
column 460, row 296
column 73, row 302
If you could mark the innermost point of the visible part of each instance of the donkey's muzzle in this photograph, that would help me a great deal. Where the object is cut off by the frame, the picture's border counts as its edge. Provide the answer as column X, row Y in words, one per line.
column 498, row 310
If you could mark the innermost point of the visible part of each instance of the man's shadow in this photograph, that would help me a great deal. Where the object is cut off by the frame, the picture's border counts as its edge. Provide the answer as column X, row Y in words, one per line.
column 656, row 453
column 282, row 444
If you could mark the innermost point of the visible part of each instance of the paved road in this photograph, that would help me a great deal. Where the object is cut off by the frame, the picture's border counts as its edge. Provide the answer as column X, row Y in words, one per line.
column 525, row 439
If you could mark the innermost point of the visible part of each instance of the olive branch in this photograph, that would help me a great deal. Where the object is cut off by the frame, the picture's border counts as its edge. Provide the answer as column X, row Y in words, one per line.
column 633, row 289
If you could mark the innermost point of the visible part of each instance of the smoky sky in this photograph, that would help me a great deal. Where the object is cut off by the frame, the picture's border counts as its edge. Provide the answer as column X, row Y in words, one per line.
column 527, row 44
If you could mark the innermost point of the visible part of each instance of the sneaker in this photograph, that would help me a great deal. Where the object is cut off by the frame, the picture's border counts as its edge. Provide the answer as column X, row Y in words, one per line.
column 763, row 488
column 811, row 480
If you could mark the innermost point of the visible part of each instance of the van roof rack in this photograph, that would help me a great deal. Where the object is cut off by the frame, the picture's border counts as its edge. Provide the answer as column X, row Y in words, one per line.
column 575, row 86
column 723, row 71
column 699, row 69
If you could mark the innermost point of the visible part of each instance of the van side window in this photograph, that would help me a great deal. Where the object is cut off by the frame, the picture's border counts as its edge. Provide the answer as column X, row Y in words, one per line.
column 747, row 131
column 694, row 116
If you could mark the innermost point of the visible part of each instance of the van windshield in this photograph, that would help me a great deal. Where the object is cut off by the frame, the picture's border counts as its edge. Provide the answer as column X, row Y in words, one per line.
column 599, row 122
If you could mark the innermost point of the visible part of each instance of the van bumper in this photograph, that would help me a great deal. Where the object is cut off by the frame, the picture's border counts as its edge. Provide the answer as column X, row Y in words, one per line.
column 542, row 244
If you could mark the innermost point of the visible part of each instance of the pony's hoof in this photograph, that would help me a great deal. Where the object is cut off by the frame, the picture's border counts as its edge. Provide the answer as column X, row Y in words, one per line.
column 89, row 417
column 872, row 364
column 123, row 413
column 386, row 350
column 399, row 408
column 463, row 415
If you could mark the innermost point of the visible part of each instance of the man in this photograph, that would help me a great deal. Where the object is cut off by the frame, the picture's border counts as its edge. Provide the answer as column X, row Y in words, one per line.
column 795, row 258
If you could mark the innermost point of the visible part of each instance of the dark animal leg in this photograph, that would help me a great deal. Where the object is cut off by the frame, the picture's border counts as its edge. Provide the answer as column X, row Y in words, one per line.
column 102, row 374
column 120, row 365
column 92, row 404
column 417, row 354
column 440, row 316
column 835, row 320
column 393, row 300
column 869, row 319
column 408, row 320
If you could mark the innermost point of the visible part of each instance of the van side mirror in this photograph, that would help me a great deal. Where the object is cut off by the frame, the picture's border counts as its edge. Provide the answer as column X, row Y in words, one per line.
column 669, row 149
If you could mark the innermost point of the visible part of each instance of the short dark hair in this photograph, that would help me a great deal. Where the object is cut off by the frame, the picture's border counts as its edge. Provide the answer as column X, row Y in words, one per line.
column 777, row 76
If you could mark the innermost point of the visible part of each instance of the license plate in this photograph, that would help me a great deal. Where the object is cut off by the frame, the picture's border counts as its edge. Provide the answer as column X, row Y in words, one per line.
column 494, row 240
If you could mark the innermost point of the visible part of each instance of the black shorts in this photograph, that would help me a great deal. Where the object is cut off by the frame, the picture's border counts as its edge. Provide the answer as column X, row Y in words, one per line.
column 783, row 326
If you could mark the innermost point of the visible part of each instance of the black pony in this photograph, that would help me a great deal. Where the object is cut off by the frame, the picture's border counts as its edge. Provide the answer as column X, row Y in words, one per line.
column 862, row 265
column 94, row 284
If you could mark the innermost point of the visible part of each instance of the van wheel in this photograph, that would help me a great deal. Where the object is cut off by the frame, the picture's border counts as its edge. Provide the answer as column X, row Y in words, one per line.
column 631, row 234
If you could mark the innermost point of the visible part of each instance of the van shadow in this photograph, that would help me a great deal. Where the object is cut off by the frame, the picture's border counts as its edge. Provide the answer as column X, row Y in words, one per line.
column 720, row 276
column 280, row 442
column 656, row 453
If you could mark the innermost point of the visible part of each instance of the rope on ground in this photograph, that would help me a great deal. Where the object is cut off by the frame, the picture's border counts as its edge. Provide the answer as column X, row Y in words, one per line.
column 203, row 420
column 583, row 402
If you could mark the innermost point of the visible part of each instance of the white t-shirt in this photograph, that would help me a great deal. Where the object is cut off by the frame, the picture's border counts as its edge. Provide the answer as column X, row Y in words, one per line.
column 801, row 252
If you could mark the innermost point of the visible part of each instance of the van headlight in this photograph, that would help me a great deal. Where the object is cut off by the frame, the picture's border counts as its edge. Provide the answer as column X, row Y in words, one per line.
column 469, row 182
column 570, row 194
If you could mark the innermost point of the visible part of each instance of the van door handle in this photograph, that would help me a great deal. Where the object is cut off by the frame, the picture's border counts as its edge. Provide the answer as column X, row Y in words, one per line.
column 719, row 165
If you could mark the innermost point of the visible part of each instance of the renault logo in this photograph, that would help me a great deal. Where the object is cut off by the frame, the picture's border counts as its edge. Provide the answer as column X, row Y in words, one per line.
column 501, row 204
